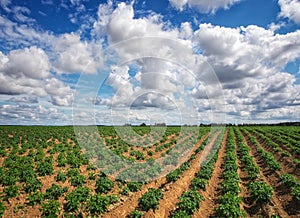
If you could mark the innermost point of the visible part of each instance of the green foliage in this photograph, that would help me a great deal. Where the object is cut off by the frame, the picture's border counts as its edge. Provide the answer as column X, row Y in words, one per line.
column 230, row 185
column 75, row 198
column 32, row 185
column 296, row 193
column 44, row 168
column 98, row 204
column 11, row 191
column 77, row 180
column 2, row 208
column 73, row 172
column 150, row 199
column 199, row 184
column 230, row 206
column 189, row 202
column 289, row 180
column 136, row 214
column 50, row 209
column 35, row 198
column 138, row 155
column 60, row 177
column 125, row 191
column 54, row 192
column 181, row 214
column 286, row 154
column 61, row 160
column 261, row 192
column 134, row 186
column 104, row 185
column 173, row 175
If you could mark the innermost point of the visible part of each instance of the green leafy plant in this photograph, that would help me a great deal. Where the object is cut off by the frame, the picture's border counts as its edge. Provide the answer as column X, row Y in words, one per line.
column 150, row 199
column 32, row 185
column 60, row 177
column 35, row 198
column 50, row 209
column 199, row 184
column 125, row 191
column 54, row 192
column 261, row 192
column 134, row 186
column 77, row 180
column 104, row 185
column 296, row 193
column 98, row 204
column 76, row 197
column 2, row 208
column 44, row 168
column 289, row 180
column 230, row 206
column 11, row 191
column 189, row 202
column 136, row 214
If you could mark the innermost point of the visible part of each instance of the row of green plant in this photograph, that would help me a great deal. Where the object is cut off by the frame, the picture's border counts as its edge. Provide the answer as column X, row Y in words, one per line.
column 190, row 200
column 229, row 202
column 260, row 191
column 267, row 157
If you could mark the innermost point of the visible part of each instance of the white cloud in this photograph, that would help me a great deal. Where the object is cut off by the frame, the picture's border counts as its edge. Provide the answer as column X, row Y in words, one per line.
column 237, row 53
column 17, row 35
column 26, row 71
column 122, row 25
column 76, row 56
column 29, row 114
column 170, row 70
column 103, row 14
column 24, row 99
column 29, row 62
column 60, row 94
column 290, row 9
column 204, row 6
column 20, row 14
column 5, row 5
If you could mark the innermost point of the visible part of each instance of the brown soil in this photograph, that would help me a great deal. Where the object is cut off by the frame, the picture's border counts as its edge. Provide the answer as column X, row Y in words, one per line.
column 212, row 194
column 124, row 208
column 283, row 146
column 280, row 201
column 243, row 180
column 152, row 148
column 287, row 164
column 174, row 190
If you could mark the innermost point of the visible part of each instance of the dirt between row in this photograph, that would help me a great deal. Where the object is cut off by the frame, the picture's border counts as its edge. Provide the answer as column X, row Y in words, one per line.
column 279, row 202
column 170, row 191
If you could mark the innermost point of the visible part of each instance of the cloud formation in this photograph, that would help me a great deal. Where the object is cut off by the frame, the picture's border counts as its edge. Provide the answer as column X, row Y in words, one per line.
column 152, row 66
column 27, row 71
column 290, row 9
column 204, row 6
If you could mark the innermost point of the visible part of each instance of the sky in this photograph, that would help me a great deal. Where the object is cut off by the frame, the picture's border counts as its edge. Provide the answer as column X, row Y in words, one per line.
column 65, row 62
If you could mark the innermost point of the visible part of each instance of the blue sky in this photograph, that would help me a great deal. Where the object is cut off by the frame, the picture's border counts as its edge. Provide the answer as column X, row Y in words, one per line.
column 173, row 61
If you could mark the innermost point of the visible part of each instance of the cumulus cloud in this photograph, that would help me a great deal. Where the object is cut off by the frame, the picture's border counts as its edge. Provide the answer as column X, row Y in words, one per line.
column 29, row 62
column 204, row 6
column 249, row 62
column 76, row 56
column 237, row 53
column 26, row 71
column 28, row 114
column 290, row 9
column 24, row 99
column 153, row 66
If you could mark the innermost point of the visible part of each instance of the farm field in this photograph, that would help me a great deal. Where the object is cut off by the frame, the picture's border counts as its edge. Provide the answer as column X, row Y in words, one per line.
column 237, row 171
